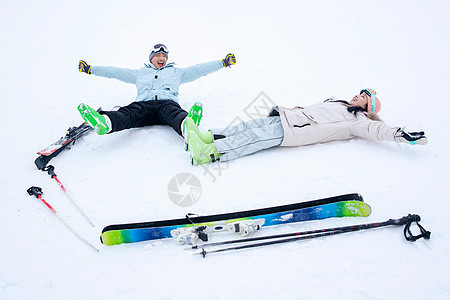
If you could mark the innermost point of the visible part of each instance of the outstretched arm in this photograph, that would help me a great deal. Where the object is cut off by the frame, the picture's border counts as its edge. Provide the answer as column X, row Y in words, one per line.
column 377, row 130
column 194, row 72
column 125, row 75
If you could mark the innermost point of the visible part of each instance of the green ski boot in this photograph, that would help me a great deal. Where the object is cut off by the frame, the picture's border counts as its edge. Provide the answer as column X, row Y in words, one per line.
column 93, row 118
column 189, row 125
column 206, row 137
column 196, row 113
column 201, row 152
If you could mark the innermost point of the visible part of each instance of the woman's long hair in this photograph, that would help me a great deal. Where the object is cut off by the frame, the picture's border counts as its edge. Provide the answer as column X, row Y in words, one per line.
column 356, row 109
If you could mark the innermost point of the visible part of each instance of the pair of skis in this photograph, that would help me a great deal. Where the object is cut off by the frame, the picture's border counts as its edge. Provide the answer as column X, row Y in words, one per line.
column 72, row 134
column 348, row 205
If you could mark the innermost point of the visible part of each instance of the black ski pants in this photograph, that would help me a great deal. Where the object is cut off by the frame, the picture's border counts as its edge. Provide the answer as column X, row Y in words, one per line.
column 147, row 113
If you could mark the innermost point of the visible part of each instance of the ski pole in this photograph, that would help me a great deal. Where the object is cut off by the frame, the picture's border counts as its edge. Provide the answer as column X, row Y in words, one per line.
column 260, row 238
column 37, row 192
column 407, row 221
column 51, row 171
column 284, row 235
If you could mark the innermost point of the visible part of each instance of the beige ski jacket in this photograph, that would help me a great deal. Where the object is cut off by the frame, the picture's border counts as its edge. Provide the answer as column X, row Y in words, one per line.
column 329, row 121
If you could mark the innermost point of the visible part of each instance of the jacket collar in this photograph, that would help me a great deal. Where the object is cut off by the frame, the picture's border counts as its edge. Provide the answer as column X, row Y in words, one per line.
column 151, row 66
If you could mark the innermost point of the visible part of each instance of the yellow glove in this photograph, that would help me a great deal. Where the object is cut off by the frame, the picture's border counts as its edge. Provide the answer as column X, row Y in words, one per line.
column 84, row 67
column 229, row 60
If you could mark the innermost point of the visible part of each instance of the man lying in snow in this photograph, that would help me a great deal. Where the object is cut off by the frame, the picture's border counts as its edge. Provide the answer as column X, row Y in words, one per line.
column 157, row 93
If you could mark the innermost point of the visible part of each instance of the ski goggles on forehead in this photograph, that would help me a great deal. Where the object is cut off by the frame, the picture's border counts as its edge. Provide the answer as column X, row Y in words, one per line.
column 160, row 47
column 371, row 93
column 368, row 92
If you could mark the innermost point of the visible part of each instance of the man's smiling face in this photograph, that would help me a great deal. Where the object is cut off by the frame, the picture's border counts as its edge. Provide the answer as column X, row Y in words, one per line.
column 159, row 60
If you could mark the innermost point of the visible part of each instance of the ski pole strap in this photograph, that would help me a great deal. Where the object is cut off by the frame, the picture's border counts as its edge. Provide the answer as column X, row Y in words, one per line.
column 407, row 230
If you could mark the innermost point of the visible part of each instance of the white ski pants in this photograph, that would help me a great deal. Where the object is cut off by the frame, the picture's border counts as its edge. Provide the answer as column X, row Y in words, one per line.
column 248, row 137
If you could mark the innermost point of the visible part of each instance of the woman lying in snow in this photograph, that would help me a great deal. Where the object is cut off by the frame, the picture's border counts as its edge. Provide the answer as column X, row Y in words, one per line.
column 299, row 126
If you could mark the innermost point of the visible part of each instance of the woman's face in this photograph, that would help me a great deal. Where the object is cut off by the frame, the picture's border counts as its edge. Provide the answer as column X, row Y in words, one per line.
column 360, row 100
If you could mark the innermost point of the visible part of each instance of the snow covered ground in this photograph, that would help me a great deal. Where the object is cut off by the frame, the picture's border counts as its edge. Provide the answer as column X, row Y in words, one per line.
column 297, row 53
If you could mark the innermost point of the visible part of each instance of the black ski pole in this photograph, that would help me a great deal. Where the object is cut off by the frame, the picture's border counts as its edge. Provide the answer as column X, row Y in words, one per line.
column 407, row 220
column 261, row 238
column 346, row 228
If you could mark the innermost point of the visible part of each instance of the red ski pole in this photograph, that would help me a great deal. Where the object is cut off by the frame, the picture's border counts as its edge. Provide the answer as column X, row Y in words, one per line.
column 51, row 171
column 37, row 192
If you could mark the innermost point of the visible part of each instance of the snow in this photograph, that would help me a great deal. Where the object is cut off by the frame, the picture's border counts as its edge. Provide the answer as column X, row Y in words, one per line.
column 296, row 53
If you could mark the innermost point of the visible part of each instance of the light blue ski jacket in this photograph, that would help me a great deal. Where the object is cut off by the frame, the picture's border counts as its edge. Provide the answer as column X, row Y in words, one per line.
column 158, row 84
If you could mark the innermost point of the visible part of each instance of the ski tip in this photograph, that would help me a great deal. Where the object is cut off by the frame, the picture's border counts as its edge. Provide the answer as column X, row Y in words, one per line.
column 114, row 237
column 109, row 238
column 41, row 162
column 353, row 196
column 366, row 210
column 357, row 209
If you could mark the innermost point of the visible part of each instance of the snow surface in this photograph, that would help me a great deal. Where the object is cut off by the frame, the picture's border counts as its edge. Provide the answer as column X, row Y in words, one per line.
column 297, row 53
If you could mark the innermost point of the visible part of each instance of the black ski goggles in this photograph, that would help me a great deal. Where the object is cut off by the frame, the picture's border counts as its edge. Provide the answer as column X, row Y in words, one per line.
column 368, row 92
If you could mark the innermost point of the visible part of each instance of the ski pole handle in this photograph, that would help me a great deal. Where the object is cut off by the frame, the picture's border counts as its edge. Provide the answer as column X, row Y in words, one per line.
column 35, row 191
column 50, row 170
column 405, row 220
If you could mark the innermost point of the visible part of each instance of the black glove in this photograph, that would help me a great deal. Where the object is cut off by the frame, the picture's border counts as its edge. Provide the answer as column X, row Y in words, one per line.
column 84, row 67
column 413, row 138
column 229, row 60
